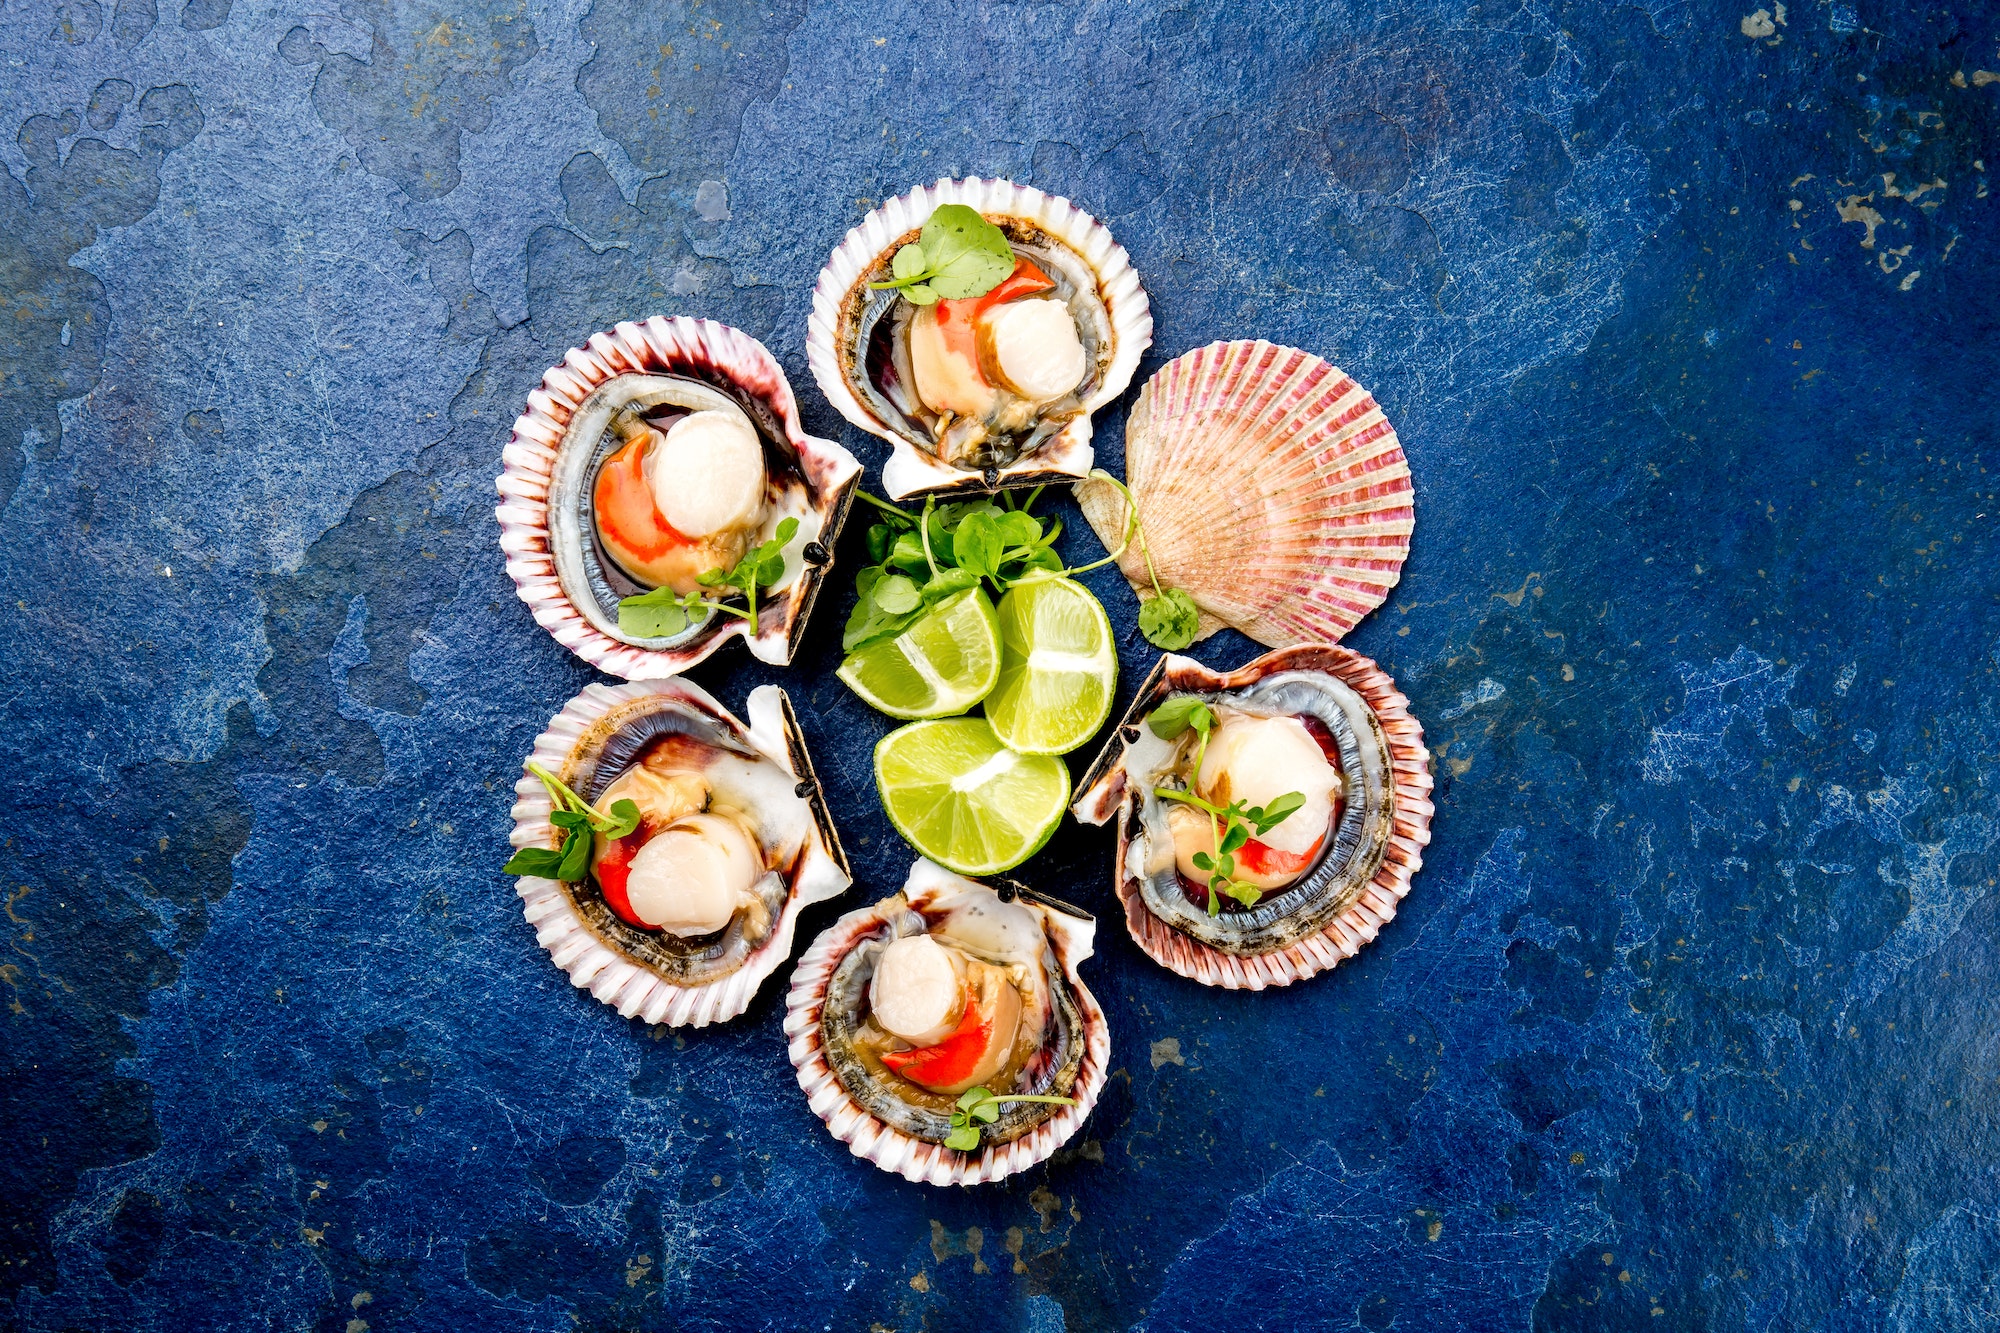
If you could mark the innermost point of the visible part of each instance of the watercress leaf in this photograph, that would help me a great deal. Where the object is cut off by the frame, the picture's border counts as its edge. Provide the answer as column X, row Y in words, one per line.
column 788, row 528
column 1170, row 620
column 717, row 578
column 1203, row 861
column 955, row 230
column 1247, row 894
column 948, row 583
column 652, row 615
column 1018, row 529
column 908, row 555
column 974, row 273
column 1279, row 810
column 964, row 1140
column 941, row 540
column 870, row 624
column 971, row 1097
column 921, row 295
column 1214, row 902
column 897, row 594
column 909, row 262
column 1175, row 716
column 533, row 861
column 1225, row 865
column 977, row 545
column 1235, row 838
column 575, row 857
column 881, row 540
column 624, row 818
column 865, row 581
column 568, row 819
column 986, row 1112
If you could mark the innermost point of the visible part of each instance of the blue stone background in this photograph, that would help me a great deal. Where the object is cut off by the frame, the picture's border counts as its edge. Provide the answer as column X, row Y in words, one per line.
column 1687, row 314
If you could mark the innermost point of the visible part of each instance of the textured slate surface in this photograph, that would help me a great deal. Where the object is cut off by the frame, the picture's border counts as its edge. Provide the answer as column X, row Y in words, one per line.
column 1686, row 314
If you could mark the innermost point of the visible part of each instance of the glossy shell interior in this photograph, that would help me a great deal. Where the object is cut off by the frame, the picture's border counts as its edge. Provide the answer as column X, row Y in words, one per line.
column 562, row 439
column 649, row 974
column 1077, row 249
column 1288, row 455
column 1374, row 850
column 908, row 1140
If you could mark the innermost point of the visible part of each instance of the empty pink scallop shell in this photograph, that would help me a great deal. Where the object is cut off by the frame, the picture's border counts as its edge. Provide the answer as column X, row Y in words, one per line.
column 1270, row 488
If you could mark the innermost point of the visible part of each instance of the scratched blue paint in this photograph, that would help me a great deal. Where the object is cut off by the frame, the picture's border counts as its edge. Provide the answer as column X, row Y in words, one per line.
column 1686, row 316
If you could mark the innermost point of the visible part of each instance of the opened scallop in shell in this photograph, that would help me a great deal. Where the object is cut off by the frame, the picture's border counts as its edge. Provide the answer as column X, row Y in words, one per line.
column 652, row 461
column 950, row 996
column 681, row 919
column 989, row 391
column 1317, row 730
column 1270, row 489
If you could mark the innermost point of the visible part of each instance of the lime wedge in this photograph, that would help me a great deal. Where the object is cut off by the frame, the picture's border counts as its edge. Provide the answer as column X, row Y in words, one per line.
column 941, row 665
column 1058, row 668
column 965, row 800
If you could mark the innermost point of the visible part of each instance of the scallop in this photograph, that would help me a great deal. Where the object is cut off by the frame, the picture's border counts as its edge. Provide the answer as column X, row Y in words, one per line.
column 656, row 453
column 1288, row 456
column 1317, row 720
column 987, row 392
column 898, row 1009
column 680, row 921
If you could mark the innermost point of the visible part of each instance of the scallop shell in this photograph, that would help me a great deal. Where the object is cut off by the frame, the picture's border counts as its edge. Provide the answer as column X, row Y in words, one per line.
column 1288, row 457
column 1071, row 934
column 910, row 470
column 1409, row 831
column 594, row 959
column 542, row 525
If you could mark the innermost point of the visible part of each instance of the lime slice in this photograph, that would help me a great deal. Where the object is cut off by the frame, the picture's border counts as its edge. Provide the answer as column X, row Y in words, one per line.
column 943, row 664
column 1058, row 668
column 965, row 800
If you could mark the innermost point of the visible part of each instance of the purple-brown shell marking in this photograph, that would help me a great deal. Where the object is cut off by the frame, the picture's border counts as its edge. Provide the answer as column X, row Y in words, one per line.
column 1370, row 835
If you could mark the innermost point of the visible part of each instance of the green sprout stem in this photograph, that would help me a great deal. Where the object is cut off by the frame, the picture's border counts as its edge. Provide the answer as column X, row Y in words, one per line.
column 924, row 533
column 565, row 799
column 885, row 506
column 1132, row 527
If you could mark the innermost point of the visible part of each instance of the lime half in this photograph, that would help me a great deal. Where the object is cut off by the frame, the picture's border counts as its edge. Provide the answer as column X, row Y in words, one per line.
column 941, row 665
column 965, row 800
column 1058, row 668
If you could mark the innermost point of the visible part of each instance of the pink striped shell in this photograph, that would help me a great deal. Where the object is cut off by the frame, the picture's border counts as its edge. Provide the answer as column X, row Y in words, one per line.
column 1105, row 793
column 596, row 962
column 1293, row 461
column 700, row 350
column 911, row 471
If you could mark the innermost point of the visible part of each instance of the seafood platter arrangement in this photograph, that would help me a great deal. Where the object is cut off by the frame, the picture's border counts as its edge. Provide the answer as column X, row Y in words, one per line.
column 660, row 497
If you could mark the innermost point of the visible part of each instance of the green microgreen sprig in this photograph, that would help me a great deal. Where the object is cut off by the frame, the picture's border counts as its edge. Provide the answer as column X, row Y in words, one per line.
column 1232, row 825
column 958, row 254
column 570, row 860
column 980, row 1107
column 1169, row 618
column 663, row 613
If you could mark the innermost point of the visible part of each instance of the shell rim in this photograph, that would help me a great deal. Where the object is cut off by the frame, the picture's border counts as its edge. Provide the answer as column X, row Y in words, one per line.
column 1378, row 900
column 638, row 346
